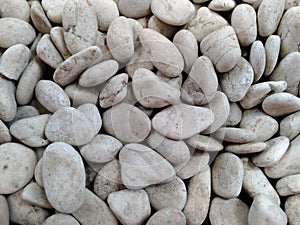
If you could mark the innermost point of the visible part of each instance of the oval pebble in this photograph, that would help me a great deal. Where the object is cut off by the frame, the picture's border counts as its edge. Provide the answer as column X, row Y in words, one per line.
column 258, row 59
column 60, row 218
column 63, row 166
column 92, row 113
column 176, row 12
column 292, row 209
column 167, row 217
column 57, row 37
column 71, row 126
column 247, row 148
column 17, row 32
column 54, row 9
column 290, row 126
column 127, row 123
column 8, row 105
column 272, row 47
column 17, row 167
column 19, row 9
column 204, row 143
column 134, row 8
column 4, row 211
column 228, row 211
column 178, row 121
column 234, row 134
column 164, row 55
column 222, row 5
column 169, row 195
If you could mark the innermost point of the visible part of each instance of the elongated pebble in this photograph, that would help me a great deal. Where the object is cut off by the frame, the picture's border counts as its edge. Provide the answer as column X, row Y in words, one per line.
column 4, row 211
column 258, row 59
column 204, row 143
column 235, row 114
column 252, row 147
column 4, row 133
column 272, row 47
column 290, row 125
column 236, row 135
column 39, row 18
column 167, row 216
column 57, row 37
column 292, row 209
column 288, row 185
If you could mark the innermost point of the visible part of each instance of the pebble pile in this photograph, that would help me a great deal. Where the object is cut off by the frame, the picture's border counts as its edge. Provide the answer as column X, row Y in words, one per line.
column 150, row 112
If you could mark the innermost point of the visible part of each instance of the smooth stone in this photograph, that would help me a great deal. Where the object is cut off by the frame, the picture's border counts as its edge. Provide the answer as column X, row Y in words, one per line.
column 71, row 68
column 51, row 95
column 99, row 73
column 113, row 91
column 178, row 121
column 255, row 182
column 243, row 20
column 79, row 20
column 262, row 125
column 288, row 29
column 63, row 166
column 134, row 8
column 220, row 107
column 278, row 86
column 268, row 16
column 17, row 32
column 165, row 29
column 264, row 211
column 35, row 195
column 272, row 47
column 289, row 164
column 172, row 12
column 31, row 130
column 17, row 167
column 198, row 198
column 4, row 133
column 164, row 55
column 235, row 135
column 292, row 209
column 54, row 9
column 290, row 126
column 4, row 211
column 108, row 179
column 14, row 60
column 187, row 44
column 227, row 175
column 223, row 48
column 30, row 76
column 60, row 218
column 236, row 82
column 167, row 216
column 204, row 143
column 141, row 167
column 197, row 163
column 21, row 212
column 140, row 59
column 176, row 152
column 24, row 112
column 247, row 148
column 258, row 59
column 222, row 5
column 94, row 211
column 19, row 9
column 288, row 185
column 130, row 206
column 228, row 212
column 106, row 12
column 201, row 85
column 235, row 114
column 275, row 150
column 92, row 113
column 103, row 148
column 48, row 53
column 127, row 123
column 57, row 37
column 120, row 39
column 39, row 18
column 287, row 71
column 205, row 22
column 151, row 91
column 169, row 195
column 280, row 104
column 38, row 173
column 70, row 125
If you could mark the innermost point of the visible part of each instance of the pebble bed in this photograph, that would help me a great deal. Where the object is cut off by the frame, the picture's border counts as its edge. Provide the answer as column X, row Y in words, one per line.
column 149, row 112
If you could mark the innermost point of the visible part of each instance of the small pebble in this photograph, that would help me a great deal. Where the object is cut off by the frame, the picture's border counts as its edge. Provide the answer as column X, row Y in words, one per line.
column 272, row 47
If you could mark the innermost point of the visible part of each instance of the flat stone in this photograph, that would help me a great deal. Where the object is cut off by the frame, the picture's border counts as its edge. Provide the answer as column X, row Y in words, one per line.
column 176, row 12
column 130, row 206
column 275, row 150
column 228, row 211
column 94, row 211
column 164, row 55
column 64, row 126
column 223, row 48
column 222, row 5
column 288, row 185
column 264, row 211
column 204, row 143
column 60, row 218
column 17, row 167
column 201, row 85
column 178, row 121
column 248, row 148
column 236, row 82
column 272, row 47
column 292, row 209
column 167, row 217
column 258, row 59
column 227, row 175
column 4, row 211
column 17, row 32
column 169, row 195
column 35, row 195
column 290, row 126
column 198, row 198
column 63, row 166
column 127, row 123
column 235, row 135
column 142, row 167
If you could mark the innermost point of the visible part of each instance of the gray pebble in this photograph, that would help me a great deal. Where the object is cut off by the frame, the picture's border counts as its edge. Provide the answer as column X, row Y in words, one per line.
column 292, row 209
column 167, row 217
column 290, row 126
